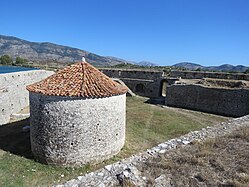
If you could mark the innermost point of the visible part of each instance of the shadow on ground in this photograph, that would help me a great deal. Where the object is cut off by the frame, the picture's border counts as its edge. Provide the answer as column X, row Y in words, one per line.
column 14, row 140
column 156, row 101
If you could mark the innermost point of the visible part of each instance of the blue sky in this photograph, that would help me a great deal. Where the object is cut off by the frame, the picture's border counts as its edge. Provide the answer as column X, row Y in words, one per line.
column 210, row 32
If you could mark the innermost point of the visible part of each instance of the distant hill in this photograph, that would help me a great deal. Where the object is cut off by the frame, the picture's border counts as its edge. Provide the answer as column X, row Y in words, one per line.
column 146, row 63
column 228, row 67
column 188, row 65
column 50, row 53
column 45, row 52
column 224, row 67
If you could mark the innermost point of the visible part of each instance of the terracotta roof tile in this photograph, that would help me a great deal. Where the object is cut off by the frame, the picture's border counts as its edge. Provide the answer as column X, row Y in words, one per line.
column 80, row 79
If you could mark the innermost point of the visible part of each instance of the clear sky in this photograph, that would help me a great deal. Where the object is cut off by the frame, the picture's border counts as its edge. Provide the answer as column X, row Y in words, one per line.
column 208, row 32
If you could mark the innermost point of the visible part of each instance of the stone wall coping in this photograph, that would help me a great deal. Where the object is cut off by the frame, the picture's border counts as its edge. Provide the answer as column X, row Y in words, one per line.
column 209, row 72
column 25, row 72
column 209, row 87
column 140, row 70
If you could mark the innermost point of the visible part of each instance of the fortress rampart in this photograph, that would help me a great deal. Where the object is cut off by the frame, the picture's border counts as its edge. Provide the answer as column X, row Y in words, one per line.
column 214, row 75
column 13, row 93
column 147, row 83
column 233, row 101
column 142, row 82
column 224, row 101
column 132, row 73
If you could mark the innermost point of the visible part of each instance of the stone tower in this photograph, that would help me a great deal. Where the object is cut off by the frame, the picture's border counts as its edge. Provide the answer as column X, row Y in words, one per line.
column 77, row 116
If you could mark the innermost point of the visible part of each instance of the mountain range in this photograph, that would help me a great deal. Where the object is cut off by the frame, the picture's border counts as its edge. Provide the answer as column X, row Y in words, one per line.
column 224, row 67
column 146, row 63
column 50, row 53
column 45, row 52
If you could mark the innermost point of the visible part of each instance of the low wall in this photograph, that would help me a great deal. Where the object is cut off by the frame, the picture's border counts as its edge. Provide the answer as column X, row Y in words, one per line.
column 227, row 102
column 214, row 75
column 13, row 93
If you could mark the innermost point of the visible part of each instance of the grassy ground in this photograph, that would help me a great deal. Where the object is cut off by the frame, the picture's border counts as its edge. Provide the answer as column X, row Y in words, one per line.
column 147, row 125
column 223, row 161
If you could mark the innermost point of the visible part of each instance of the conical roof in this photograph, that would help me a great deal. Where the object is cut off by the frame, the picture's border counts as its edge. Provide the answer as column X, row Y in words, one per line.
column 81, row 80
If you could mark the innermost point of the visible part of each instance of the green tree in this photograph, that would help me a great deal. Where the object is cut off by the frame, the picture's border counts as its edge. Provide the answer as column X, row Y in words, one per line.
column 20, row 60
column 6, row 60
column 247, row 71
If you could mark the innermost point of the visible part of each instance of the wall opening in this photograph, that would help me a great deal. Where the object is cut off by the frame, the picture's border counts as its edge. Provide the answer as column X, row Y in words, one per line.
column 140, row 88
column 163, row 88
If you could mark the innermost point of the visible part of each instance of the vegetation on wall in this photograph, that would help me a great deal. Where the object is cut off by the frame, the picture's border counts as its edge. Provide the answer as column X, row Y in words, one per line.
column 247, row 71
column 135, row 66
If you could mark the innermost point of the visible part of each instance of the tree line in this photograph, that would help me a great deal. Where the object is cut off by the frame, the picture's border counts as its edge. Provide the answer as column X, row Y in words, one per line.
column 7, row 60
column 165, row 68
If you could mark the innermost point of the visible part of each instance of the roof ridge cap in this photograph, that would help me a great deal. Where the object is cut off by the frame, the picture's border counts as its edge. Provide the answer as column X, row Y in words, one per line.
column 83, row 77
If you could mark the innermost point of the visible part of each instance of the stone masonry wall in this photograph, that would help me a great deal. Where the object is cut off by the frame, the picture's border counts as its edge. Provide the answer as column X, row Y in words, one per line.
column 147, row 88
column 131, row 73
column 13, row 93
column 148, row 83
column 141, row 82
column 214, row 75
column 228, row 102
column 72, row 131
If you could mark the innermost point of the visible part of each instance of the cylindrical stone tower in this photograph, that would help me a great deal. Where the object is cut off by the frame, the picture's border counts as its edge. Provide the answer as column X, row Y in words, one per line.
column 77, row 116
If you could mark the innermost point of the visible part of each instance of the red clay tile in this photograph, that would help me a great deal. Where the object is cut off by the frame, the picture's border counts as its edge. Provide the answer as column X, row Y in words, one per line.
column 80, row 80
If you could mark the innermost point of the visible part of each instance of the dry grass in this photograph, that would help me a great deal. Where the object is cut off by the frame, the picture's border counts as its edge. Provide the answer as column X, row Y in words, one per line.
column 223, row 161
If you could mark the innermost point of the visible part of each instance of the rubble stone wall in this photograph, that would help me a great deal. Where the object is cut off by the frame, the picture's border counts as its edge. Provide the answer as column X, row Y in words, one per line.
column 143, row 83
column 222, row 101
column 72, row 131
column 214, row 75
column 13, row 93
